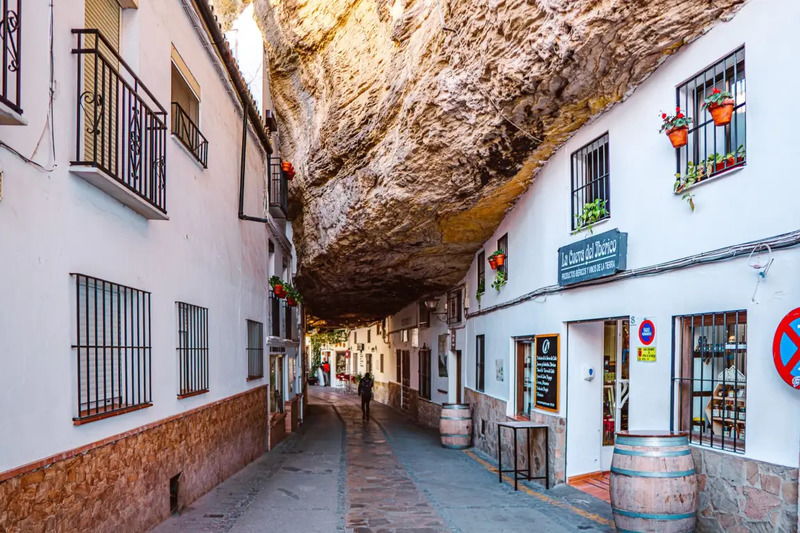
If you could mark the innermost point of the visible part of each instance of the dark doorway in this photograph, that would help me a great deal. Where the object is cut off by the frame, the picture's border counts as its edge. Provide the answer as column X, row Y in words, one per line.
column 174, row 486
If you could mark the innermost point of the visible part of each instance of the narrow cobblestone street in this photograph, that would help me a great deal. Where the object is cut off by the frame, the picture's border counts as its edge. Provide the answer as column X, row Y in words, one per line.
column 341, row 474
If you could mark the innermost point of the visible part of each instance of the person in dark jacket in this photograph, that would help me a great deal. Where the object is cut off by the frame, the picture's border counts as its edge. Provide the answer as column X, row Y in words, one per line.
column 365, row 391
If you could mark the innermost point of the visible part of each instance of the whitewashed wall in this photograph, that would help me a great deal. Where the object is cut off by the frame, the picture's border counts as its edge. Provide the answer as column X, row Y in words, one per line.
column 55, row 223
column 755, row 202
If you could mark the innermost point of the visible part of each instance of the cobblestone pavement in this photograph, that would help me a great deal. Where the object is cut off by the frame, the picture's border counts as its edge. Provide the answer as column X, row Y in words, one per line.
column 340, row 474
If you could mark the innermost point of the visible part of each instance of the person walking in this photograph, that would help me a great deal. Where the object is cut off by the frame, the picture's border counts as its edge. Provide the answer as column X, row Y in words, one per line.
column 365, row 391
column 326, row 372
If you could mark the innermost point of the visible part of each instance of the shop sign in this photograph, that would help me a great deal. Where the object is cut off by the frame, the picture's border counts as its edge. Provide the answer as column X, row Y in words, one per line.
column 646, row 354
column 547, row 372
column 786, row 348
column 596, row 256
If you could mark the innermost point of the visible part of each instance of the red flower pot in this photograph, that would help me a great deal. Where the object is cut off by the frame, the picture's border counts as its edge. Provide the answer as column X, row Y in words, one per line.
column 279, row 291
column 291, row 301
column 722, row 113
column 500, row 259
column 493, row 263
column 678, row 136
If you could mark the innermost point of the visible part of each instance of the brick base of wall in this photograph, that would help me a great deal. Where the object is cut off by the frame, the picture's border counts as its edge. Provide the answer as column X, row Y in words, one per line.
column 428, row 413
column 277, row 429
column 123, row 483
column 488, row 411
column 740, row 495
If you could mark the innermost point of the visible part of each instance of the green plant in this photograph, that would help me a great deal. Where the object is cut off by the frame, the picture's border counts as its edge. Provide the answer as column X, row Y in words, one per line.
column 480, row 290
column 293, row 293
column 683, row 182
column 671, row 122
column 499, row 280
column 592, row 212
column 318, row 339
column 717, row 97
column 275, row 280
column 496, row 253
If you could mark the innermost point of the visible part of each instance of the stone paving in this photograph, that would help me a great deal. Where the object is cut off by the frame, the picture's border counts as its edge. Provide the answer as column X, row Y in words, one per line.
column 341, row 474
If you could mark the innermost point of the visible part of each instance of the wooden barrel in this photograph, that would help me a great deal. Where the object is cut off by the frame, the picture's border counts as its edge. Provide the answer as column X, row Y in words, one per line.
column 455, row 426
column 653, row 482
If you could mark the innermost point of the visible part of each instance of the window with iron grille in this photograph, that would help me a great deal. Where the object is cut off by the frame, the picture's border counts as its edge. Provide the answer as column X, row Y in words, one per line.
column 425, row 374
column 502, row 245
column 289, row 322
column 480, row 359
column 454, row 306
column 424, row 315
column 369, row 335
column 381, row 364
column 481, row 281
column 113, row 348
column 398, row 362
column 255, row 349
column 368, row 361
column 713, row 149
column 589, row 167
column 710, row 379
column 11, row 36
column 192, row 349
column 275, row 315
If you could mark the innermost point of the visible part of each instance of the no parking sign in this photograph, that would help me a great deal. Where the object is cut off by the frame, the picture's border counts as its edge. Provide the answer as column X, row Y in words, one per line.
column 786, row 348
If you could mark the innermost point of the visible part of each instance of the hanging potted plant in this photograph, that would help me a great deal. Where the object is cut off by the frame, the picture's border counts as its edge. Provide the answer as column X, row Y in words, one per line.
column 499, row 280
column 292, row 295
column 277, row 286
column 288, row 169
column 493, row 262
column 720, row 105
column 499, row 257
column 677, row 128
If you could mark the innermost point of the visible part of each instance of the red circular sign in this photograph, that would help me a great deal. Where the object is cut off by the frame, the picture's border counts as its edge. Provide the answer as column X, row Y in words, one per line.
column 786, row 348
column 647, row 332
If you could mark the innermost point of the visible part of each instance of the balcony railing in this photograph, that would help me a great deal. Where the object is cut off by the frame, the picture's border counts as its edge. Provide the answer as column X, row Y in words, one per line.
column 121, row 126
column 189, row 134
column 11, row 34
column 278, row 189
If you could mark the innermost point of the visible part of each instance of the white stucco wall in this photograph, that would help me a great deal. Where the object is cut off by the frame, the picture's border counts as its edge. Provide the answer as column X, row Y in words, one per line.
column 52, row 224
column 755, row 202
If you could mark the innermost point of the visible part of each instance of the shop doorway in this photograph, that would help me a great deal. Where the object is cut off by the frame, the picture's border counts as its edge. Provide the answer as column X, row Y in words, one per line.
column 597, row 393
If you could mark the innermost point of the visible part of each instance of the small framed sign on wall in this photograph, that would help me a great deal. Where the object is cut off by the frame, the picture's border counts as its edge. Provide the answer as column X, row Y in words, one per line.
column 547, row 372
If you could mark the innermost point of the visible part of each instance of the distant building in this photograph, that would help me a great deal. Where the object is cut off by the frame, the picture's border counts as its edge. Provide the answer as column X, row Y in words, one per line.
column 143, row 358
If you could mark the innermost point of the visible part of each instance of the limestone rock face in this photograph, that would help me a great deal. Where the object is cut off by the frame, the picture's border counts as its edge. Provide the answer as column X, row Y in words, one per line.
column 415, row 124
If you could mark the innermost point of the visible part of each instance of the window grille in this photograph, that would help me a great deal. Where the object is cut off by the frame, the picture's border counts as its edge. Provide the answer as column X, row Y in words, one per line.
column 275, row 315
column 113, row 348
column 454, row 306
column 369, row 335
column 289, row 321
column 713, row 149
column 589, row 167
column 192, row 349
column 425, row 374
column 710, row 379
column 502, row 244
column 381, row 364
column 11, row 36
column 399, row 370
column 255, row 350
column 480, row 343
column 481, row 281
column 368, row 359
column 424, row 315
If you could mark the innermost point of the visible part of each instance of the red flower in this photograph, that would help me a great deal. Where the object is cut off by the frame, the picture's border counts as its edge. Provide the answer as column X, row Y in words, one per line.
column 664, row 116
column 715, row 91
column 680, row 115
column 678, row 109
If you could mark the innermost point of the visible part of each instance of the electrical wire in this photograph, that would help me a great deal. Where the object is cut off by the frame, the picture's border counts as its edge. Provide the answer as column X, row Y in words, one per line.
column 49, row 123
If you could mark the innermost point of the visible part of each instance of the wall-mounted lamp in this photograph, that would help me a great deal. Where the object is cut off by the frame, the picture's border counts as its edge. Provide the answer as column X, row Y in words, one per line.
column 431, row 304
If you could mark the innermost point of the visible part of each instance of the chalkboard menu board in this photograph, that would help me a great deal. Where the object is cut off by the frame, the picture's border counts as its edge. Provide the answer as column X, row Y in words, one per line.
column 546, row 366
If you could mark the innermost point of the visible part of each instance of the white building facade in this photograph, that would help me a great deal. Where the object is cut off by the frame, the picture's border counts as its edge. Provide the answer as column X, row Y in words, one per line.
column 143, row 210
column 660, row 316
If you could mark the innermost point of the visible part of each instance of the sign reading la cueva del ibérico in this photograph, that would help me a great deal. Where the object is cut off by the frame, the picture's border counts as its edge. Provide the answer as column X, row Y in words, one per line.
column 596, row 256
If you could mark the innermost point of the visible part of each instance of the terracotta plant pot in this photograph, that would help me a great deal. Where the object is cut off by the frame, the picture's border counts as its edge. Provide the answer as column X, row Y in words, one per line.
column 279, row 291
column 500, row 259
column 291, row 301
column 678, row 137
column 493, row 263
column 722, row 113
